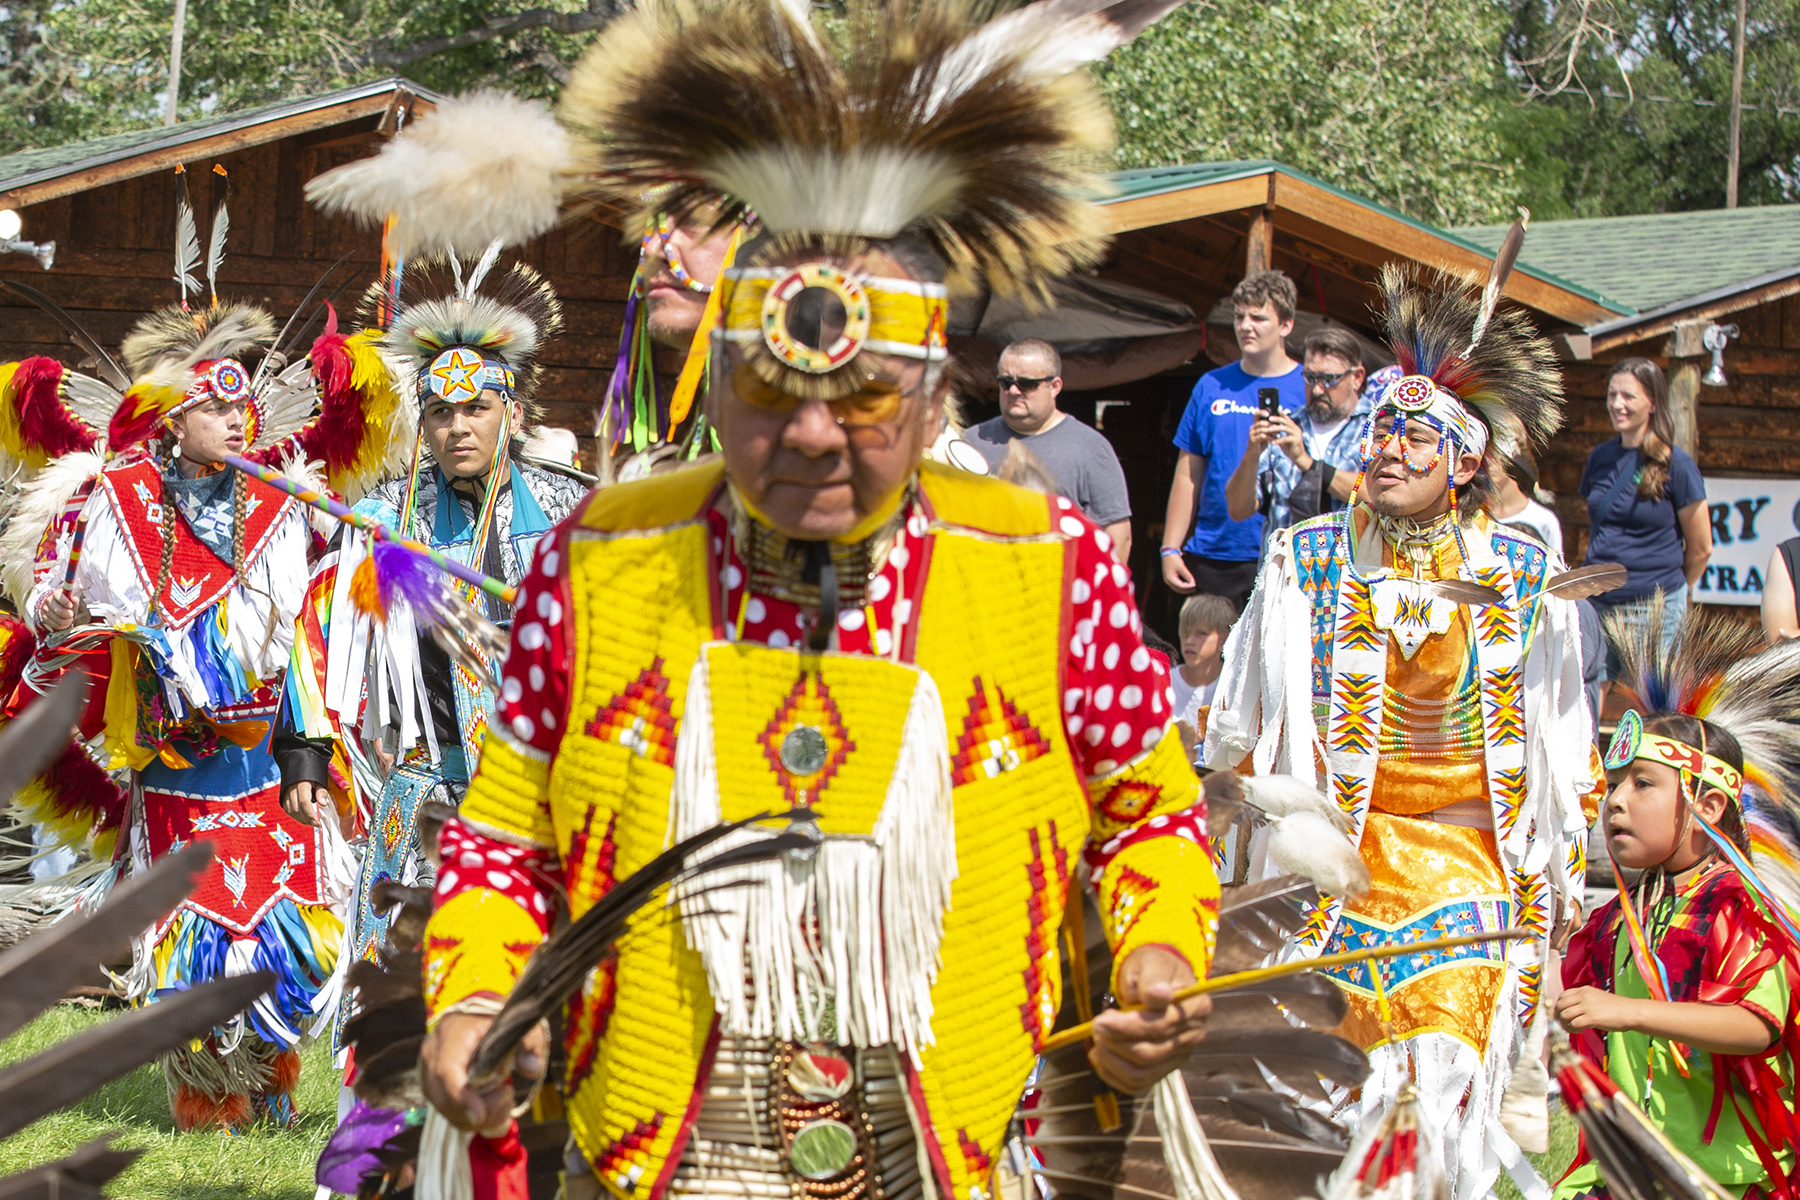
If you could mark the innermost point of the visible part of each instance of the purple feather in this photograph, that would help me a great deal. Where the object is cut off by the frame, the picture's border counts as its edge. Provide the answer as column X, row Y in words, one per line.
column 403, row 574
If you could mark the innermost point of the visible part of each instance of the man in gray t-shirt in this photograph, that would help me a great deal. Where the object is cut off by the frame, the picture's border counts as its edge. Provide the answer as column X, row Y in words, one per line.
column 1079, row 458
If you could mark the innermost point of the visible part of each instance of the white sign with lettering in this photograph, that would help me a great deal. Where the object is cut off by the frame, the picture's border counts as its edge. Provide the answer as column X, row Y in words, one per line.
column 1750, row 517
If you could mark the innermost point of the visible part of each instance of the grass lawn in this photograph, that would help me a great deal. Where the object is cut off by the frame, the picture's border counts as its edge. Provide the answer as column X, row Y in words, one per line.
column 1553, row 1162
column 271, row 1164
column 264, row 1164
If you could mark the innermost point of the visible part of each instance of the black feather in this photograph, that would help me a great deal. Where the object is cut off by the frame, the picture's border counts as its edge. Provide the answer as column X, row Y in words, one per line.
column 40, row 971
column 32, row 740
column 110, row 370
column 558, row 967
column 71, row 1069
column 1259, row 919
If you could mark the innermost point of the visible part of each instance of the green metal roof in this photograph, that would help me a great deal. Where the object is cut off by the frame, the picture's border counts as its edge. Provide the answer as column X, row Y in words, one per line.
column 1646, row 262
column 1154, row 181
column 34, row 166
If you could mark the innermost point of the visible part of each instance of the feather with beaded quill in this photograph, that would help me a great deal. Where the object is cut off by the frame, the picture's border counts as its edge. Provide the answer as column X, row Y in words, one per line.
column 187, row 238
column 981, row 137
column 1509, row 377
column 221, row 225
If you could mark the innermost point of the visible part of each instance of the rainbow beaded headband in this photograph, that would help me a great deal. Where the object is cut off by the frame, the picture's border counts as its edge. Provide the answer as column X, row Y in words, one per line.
column 901, row 317
column 1630, row 741
column 1415, row 396
column 229, row 380
column 460, row 374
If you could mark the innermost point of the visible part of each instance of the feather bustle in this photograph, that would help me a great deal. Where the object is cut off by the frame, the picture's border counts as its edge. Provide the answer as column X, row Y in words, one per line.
column 692, row 106
column 1509, row 378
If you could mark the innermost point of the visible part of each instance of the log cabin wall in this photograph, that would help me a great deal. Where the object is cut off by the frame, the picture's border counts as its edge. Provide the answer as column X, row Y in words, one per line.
column 1749, row 428
column 115, row 261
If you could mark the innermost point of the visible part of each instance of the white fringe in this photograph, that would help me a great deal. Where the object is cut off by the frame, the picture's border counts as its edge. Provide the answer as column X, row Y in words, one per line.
column 444, row 1172
column 1192, row 1167
column 876, row 902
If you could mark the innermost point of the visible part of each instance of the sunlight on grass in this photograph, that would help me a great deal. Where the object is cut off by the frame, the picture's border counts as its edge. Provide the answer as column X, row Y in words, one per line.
column 264, row 1164
column 1553, row 1162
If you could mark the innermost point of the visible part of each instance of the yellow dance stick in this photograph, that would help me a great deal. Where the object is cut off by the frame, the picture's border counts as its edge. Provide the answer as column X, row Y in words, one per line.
column 1224, row 983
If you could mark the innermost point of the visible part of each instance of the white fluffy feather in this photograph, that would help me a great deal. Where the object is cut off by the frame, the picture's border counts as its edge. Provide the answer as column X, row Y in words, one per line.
column 481, row 167
column 875, row 192
column 1049, row 39
column 40, row 502
column 1306, row 844
column 1284, row 795
column 310, row 474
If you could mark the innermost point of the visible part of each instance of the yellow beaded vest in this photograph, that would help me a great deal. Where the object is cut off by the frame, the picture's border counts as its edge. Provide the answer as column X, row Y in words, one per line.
column 992, row 630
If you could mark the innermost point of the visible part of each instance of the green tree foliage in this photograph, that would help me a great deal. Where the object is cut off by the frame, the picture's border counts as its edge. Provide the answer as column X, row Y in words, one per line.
column 1452, row 111
column 1632, row 108
column 72, row 69
column 1397, row 101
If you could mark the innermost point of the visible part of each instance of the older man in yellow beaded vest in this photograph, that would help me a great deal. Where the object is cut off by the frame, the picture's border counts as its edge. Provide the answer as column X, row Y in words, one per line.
column 946, row 670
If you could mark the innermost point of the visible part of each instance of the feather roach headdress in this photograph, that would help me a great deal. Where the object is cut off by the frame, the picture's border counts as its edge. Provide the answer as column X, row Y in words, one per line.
column 1714, row 668
column 937, row 125
column 1479, row 373
column 451, row 337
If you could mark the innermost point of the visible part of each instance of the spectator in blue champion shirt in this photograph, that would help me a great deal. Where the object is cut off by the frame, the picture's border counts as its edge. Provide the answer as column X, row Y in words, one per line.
column 1298, row 467
column 1220, row 554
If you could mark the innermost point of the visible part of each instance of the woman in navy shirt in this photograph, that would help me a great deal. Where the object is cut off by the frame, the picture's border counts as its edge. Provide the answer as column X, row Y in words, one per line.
column 1646, row 503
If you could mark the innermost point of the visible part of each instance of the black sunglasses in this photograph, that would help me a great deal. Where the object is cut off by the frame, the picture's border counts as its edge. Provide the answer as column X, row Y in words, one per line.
column 1328, row 381
column 1024, row 383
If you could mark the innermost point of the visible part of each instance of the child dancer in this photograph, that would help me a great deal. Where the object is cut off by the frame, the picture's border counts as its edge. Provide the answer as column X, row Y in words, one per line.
column 1683, row 987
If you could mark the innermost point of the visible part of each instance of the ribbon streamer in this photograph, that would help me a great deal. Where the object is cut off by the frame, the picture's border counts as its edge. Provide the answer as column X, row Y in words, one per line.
column 326, row 504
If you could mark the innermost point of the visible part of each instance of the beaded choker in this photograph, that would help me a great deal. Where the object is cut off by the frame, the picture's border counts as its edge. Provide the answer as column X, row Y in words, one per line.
column 788, row 569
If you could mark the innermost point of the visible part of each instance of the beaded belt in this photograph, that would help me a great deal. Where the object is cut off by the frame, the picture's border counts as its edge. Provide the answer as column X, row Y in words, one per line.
column 809, row 1122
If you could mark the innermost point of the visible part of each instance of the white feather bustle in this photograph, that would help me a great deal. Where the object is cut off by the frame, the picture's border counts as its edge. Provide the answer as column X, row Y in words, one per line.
column 39, row 503
column 480, row 168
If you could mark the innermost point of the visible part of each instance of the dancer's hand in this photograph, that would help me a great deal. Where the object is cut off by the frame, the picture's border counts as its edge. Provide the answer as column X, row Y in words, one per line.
column 304, row 801
column 1132, row 1050
column 444, row 1070
column 57, row 610
column 1593, row 1008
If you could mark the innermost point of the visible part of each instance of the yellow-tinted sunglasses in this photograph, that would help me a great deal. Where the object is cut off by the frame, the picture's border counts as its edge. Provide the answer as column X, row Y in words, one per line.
column 875, row 403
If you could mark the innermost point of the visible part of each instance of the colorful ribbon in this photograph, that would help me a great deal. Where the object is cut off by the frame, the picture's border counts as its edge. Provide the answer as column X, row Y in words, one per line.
column 326, row 504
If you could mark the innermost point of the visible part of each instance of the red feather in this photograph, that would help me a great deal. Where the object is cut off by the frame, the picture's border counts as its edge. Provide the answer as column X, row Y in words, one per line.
column 80, row 786
column 14, row 654
column 45, row 423
column 337, row 434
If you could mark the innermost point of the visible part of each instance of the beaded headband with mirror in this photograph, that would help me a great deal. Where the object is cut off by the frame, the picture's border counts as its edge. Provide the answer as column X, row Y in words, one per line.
column 803, row 327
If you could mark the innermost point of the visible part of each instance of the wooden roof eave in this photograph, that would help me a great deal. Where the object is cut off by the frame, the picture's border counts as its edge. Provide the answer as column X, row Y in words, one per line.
column 83, row 176
column 1366, row 233
column 1707, row 306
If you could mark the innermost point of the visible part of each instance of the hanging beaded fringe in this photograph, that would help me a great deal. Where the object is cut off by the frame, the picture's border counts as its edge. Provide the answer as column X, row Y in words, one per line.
column 877, row 904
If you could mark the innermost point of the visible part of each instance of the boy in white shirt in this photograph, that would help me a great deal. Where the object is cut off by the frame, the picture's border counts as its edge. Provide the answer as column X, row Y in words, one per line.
column 1203, row 625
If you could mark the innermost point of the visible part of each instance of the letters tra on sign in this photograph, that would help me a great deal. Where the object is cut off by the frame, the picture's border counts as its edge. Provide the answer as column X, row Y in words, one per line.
column 1750, row 518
